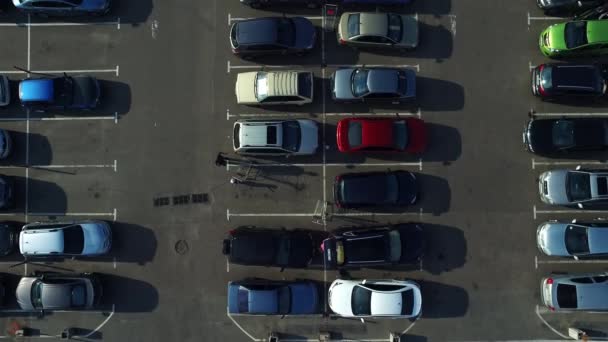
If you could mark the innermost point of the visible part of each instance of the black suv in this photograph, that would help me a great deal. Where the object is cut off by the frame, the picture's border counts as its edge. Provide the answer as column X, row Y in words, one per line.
column 272, row 35
column 553, row 81
column 555, row 137
column 375, row 189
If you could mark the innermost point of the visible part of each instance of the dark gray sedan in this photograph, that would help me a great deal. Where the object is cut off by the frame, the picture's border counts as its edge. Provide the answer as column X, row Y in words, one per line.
column 580, row 292
column 572, row 239
column 373, row 84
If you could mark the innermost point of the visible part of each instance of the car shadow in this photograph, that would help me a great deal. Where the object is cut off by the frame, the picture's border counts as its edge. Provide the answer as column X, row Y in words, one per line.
column 452, row 94
column 116, row 98
column 130, row 243
column 127, row 294
column 45, row 197
column 446, row 248
column 40, row 152
column 442, row 300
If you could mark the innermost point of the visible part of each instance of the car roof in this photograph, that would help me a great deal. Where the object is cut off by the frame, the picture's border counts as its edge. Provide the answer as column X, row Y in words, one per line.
column 254, row 247
column 377, row 132
column 41, row 241
column 373, row 24
column 63, row 295
column 282, row 83
column 40, row 89
column 599, row 185
column 257, row 31
column 370, row 247
column 564, row 75
column 261, row 134
column 383, row 80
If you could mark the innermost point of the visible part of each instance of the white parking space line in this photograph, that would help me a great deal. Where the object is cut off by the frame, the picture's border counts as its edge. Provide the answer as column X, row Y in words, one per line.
column 566, row 163
column 66, row 166
column 531, row 66
column 110, row 214
column 229, row 66
column 531, row 18
column 29, row 43
column 566, row 262
column 571, row 212
column 417, row 113
column 59, row 24
column 568, row 114
column 63, row 118
column 412, row 66
column 538, row 314
column 115, row 70
column 232, row 19
column 410, row 164
column 452, row 23
column 353, row 214
column 241, row 328
column 94, row 331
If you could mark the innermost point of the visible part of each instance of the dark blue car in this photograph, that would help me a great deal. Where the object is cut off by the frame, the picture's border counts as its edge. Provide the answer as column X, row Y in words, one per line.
column 375, row 189
column 63, row 7
column 267, row 297
column 60, row 93
column 272, row 35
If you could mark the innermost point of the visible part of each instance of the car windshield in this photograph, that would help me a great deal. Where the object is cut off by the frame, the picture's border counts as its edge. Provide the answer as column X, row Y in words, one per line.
column 261, row 86
column 392, row 188
column 37, row 294
column 394, row 27
column 566, row 296
column 400, row 134
column 73, row 240
column 286, row 32
column 578, row 186
column 576, row 34
column 563, row 133
column 78, row 295
column 361, row 301
column 63, row 92
column 395, row 245
column 576, row 240
column 291, row 135
column 283, row 251
column 354, row 134
column 353, row 25
column 284, row 300
column 359, row 82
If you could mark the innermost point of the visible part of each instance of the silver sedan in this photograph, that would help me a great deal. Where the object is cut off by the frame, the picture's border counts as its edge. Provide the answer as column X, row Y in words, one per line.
column 572, row 239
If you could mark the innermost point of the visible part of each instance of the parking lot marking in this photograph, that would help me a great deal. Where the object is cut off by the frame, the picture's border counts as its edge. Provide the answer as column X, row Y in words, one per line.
column 232, row 19
column 549, row 325
column 29, row 42
column 227, row 265
column 112, row 214
column 413, row 66
column 530, row 66
column 357, row 214
column 409, row 327
column 573, row 162
column 536, row 212
column 530, row 18
column 452, row 23
column 114, row 70
column 417, row 113
column 115, row 213
column 94, row 331
column 240, row 327
column 568, row 261
column 569, row 114
column 412, row 164
column 229, row 66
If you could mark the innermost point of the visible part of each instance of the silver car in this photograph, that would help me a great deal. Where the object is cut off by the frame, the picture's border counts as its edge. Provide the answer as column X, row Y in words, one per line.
column 572, row 239
column 574, row 187
column 56, row 291
column 580, row 292
column 276, row 137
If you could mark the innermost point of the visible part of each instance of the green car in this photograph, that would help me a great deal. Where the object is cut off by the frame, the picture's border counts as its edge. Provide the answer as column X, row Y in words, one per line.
column 575, row 38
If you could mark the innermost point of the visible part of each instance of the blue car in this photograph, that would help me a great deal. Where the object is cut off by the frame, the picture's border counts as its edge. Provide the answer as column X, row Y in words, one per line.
column 268, row 297
column 60, row 93
column 63, row 7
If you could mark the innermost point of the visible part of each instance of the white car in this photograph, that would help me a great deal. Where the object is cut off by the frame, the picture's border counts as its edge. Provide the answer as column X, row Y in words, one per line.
column 276, row 137
column 375, row 298
column 274, row 88
column 55, row 239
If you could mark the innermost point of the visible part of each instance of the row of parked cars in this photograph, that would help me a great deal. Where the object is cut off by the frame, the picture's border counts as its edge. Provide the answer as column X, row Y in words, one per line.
column 585, row 36
column 346, row 248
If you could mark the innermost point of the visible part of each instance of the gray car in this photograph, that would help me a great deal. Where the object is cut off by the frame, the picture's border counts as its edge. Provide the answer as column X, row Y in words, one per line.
column 55, row 291
column 373, row 84
column 574, row 187
column 573, row 239
column 575, row 292
column 374, row 29
column 276, row 137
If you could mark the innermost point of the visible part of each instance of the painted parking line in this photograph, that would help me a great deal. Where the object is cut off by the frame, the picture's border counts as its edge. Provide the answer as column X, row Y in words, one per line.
column 417, row 164
column 229, row 115
column 568, row 114
column 241, row 328
column 531, row 66
column 230, row 66
column 113, row 214
column 232, row 19
column 566, row 163
column 538, row 261
column 571, row 212
column 538, row 312
column 112, row 166
column 403, row 66
column 311, row 215
column 115, row 70
column 532, row 18
column 545, row 310
column 63, row 24
column 61, row 118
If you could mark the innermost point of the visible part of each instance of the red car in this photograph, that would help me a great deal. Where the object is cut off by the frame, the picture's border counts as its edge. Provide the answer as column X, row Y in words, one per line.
column 382, row 135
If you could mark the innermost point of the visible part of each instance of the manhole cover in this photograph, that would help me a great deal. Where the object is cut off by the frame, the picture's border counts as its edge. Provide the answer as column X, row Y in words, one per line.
column 181, row 247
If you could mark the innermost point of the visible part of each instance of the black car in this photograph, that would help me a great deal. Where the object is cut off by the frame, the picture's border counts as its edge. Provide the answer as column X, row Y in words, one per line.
column 272, row 35
column 375, row 189
column 274, row 247
column 8, row 238
column 554, row 137
column 565, row 7
column 7, row 188
column 374, row 246
column 373, row 84
column 554, row 81
column 63, row 7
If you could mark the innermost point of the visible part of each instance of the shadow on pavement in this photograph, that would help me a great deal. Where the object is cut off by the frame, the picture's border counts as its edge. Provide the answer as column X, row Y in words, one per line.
column 446, row 248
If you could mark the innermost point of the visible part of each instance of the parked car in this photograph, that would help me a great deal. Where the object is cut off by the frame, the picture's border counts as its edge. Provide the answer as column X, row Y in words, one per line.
column 559, row 137
column 7, row 189
column 80, row 92
column 58, row 239
column 562, row 81
column 272, row 35
column 375, row 189
column 276, row 137
column 575, row 39
column 63, row 7
column 567, row 7
column 269, row 297
column 274, row 3
column 55, row 291
column 5, row 91
column 8, row 238
column 574, row 187
column 575, row 292
column 375, row 298
column 374, row 246
column 407, row 135
column 274, row 247
column 274, row 87
column 573, row 239
column 371, row 2
column 390, row 85
column 375, row 29
column 6, row 144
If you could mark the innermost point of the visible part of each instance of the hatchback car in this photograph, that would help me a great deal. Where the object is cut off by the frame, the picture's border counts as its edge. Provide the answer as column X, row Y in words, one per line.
column 272, row 35
column 60, row 93
column 561, row 81
column 63, row 7
column 407, row 135
column 375, row 189
column 390, row 85
column 375, row 298
column 7, row 188
column 574, row 187
column 276, row 137
column 575, row 39
column 274, row 88
column 575, row 292
column 273, row 247
column 374, row 246
column 269, row 297
column 573, row 239
column 56, row 239
column 55, row 291
column 566, row 7
column 373, row 30
column 558, row 137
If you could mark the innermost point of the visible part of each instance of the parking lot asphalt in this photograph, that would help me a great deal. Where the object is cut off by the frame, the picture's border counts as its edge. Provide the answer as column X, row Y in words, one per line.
column 145, row 161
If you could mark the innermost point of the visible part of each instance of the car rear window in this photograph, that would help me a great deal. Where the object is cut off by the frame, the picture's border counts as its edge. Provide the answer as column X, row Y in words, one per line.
column 400, row 134
column 395, row 245
column 392, row 188
column 236, row 136
column 353, row 25
column 576, row 34
column 394, row 27
column 261, row 86
column 361, row 301
column 563, row 133
column 78, row 296
column 359, row 82
column 305, row 84
column 284, row 300
column 271, row 135
column 546, row 77
column 291, row 135
column 354, row 134
column 286, row 32
column 577, row 241
column 407, row 302
column 578, row 186
column 73, row 240
column 566, row 296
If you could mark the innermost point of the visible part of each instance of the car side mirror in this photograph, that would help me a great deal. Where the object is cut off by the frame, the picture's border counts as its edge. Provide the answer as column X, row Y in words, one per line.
column 364, row 281
column 578, row 167
column 580, row 205
column 580, row 4
column 574, row 221
column 575, row 257
column 362, row 321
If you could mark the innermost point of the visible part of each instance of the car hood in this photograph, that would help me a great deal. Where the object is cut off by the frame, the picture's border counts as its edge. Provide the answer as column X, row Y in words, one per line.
column 86, row 92
column 95, row 4
column 556, row 187
column 410, row 31
column 551, row 239
column 305, row 33
column 245, row 88
column 24, row 293
column 304, row 299
column 556, row 36
column 342, row 84
column 309, row 137
column 97, row 237
column 340, row 298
